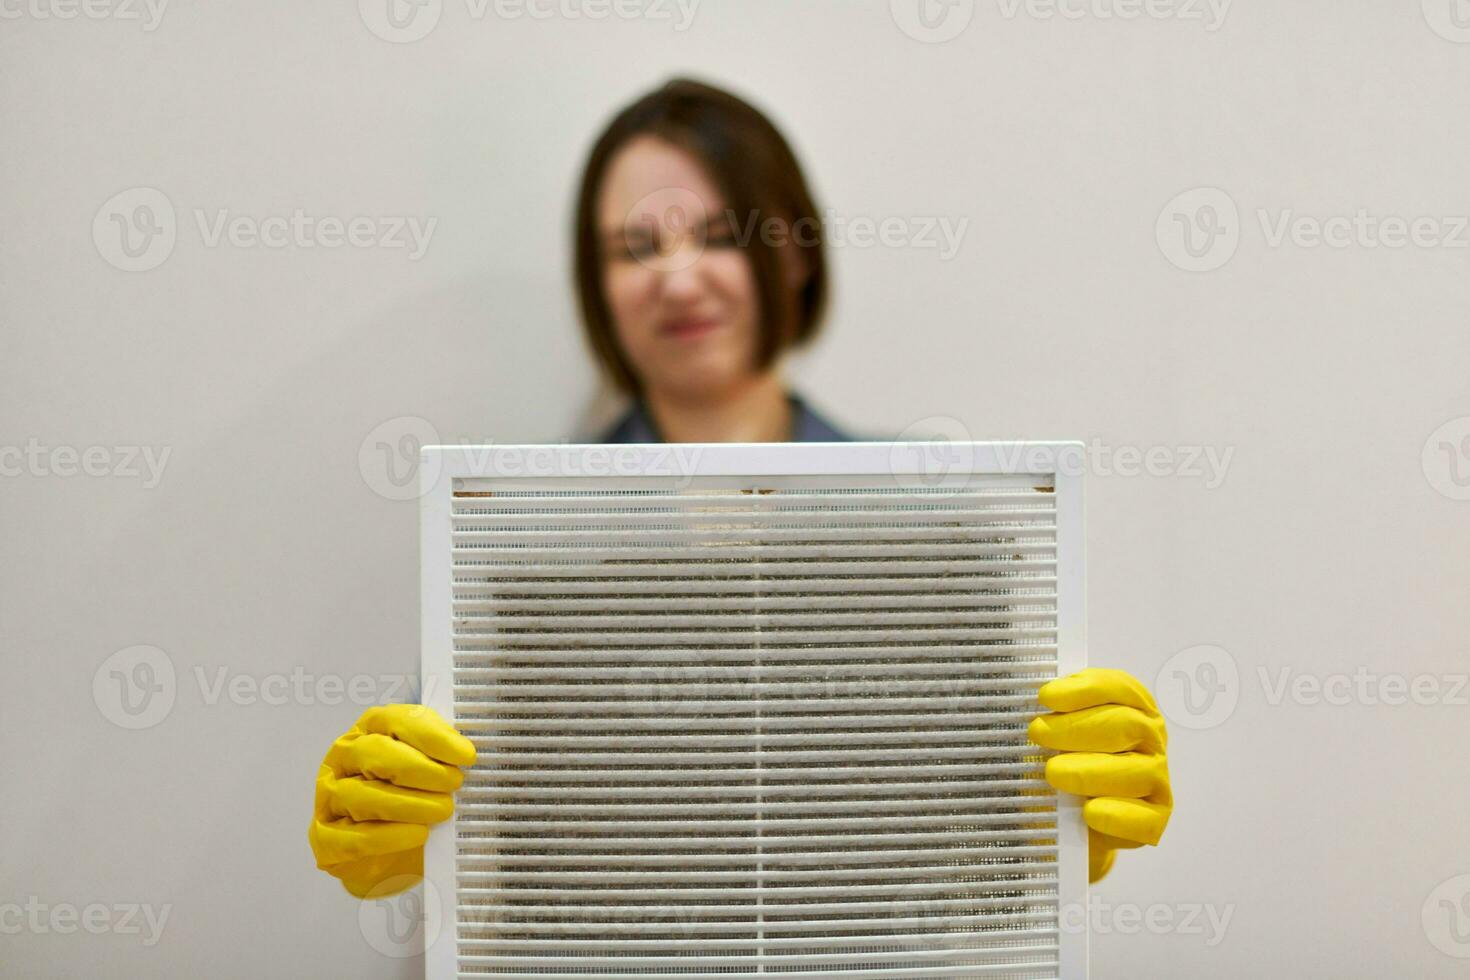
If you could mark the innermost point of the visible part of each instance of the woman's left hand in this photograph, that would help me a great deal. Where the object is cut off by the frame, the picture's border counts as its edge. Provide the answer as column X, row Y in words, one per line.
column 1112, row 746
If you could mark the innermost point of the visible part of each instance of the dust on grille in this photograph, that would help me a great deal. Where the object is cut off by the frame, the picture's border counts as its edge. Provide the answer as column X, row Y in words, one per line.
column 749, row 731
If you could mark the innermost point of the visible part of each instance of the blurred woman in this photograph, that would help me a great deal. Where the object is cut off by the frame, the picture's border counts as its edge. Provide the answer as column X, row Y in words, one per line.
column 699, row 265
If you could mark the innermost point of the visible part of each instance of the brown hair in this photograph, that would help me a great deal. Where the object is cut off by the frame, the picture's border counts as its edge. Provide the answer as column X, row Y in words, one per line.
column 750, row 162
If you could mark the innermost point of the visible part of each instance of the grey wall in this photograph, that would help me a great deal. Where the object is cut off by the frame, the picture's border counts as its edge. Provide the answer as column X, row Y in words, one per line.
column 1329, row 382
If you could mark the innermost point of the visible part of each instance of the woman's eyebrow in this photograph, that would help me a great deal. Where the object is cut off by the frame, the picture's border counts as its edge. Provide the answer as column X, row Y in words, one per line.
column 643, row 226
column 616, row 237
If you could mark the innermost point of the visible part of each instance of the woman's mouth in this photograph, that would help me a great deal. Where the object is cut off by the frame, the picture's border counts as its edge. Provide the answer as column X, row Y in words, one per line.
column 689, row 328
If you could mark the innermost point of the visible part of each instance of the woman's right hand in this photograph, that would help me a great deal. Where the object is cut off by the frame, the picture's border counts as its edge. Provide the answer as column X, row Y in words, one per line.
column 379, row 788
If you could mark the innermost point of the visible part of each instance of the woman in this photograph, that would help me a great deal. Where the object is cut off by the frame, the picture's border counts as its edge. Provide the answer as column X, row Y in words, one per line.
column 699, row 265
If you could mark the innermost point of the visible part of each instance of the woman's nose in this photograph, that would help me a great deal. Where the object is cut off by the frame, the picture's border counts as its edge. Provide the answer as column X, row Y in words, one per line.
column 685, row 276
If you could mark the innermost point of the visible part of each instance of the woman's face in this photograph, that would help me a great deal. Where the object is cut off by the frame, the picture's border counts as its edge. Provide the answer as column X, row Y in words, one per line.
column 682, row 295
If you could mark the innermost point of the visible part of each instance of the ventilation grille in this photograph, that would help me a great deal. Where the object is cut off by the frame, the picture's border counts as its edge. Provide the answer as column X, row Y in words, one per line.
column 775, row 732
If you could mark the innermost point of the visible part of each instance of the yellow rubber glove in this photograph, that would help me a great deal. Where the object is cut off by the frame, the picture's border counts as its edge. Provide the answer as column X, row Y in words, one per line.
column 379, row 788
column 1112, row 744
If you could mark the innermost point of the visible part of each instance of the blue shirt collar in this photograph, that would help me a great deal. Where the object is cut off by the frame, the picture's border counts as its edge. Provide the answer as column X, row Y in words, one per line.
column 807, row 426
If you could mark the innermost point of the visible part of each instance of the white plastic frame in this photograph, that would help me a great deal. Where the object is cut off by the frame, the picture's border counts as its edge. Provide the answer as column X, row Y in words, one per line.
column 908, row 463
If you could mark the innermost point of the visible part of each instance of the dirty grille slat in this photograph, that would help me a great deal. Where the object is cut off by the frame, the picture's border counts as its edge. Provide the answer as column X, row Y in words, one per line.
column 728, row 731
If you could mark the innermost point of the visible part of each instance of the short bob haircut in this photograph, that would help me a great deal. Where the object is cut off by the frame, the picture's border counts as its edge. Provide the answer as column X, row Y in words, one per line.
column 752, row 165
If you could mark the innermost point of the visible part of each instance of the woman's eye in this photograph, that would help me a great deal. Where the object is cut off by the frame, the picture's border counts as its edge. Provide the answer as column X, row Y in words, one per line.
column 642, row 247
column 719, row 236
column 633, row 248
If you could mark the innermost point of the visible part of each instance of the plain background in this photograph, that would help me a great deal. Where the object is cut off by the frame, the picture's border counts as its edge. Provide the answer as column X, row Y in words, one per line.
column 1331, row 832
